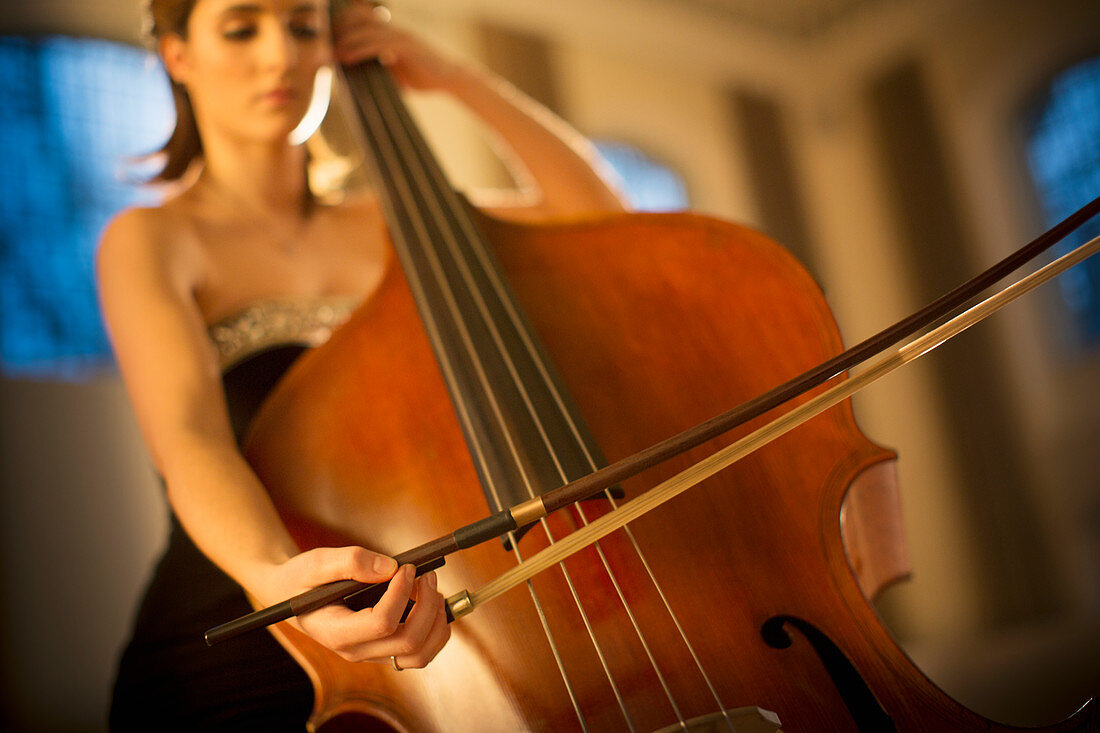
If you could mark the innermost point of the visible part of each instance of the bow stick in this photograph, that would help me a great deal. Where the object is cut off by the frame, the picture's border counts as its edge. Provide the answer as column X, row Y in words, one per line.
column 464, row 602
column 361, row 595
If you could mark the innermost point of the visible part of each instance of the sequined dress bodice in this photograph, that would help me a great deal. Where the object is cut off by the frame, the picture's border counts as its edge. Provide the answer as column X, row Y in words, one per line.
column 256, row 345
column 269, row 323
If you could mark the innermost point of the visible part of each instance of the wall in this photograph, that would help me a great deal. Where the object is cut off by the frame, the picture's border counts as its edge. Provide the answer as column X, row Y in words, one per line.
column 662, row 81
column 81, row 522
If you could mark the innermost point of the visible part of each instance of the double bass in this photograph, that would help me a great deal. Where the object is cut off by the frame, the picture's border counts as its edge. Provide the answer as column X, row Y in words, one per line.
column 496, row 362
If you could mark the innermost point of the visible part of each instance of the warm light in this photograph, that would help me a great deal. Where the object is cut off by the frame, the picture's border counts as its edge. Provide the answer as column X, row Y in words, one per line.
column 318, row 106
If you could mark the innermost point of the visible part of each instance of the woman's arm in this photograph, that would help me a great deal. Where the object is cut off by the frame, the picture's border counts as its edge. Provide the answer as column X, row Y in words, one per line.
column 562, row 163
column 146, row 281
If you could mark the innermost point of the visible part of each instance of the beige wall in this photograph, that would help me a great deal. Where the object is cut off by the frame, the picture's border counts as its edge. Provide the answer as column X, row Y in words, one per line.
column 660, row 82
column 1056, row 389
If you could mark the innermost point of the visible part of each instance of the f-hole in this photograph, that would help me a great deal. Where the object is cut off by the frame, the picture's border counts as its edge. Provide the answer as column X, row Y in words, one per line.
column 860, row 701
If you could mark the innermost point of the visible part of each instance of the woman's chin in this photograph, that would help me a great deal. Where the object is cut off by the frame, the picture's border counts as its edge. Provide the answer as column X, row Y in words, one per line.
column 273, row 131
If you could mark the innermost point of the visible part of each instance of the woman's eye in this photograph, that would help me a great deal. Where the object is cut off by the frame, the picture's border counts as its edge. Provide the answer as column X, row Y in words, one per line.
column 305, row 31
column 240, row 33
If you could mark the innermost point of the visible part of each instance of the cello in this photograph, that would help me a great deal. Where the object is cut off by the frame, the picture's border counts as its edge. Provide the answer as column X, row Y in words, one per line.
column 502, row 356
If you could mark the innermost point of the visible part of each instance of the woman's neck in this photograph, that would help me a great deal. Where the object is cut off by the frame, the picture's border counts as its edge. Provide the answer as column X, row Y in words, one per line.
column 266, row 179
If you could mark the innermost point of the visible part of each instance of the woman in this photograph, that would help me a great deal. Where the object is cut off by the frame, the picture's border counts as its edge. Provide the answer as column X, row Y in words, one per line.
column 175, row 280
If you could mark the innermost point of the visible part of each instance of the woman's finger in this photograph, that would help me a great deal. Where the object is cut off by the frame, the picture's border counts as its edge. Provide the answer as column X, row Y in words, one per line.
column 390, row 607
column 354, row 634
column 413, row 632
column 376, row 634
column 434, row 642
column 326, row 564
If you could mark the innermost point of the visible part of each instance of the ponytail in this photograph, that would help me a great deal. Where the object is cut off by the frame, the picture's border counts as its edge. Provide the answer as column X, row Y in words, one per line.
column 184, row 146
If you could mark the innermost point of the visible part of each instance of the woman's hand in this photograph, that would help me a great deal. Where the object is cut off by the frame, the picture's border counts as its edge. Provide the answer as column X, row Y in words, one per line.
column 554, row 167
column 362, row 31
column 373, row 634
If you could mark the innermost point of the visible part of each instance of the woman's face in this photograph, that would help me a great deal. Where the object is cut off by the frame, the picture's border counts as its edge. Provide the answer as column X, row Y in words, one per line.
column 249, row 65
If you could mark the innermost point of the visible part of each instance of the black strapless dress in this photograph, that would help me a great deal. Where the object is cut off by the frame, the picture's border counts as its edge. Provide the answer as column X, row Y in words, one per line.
column 168, row 678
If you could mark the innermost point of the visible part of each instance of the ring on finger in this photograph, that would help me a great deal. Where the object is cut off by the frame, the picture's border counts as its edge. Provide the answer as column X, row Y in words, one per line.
column 396, row 667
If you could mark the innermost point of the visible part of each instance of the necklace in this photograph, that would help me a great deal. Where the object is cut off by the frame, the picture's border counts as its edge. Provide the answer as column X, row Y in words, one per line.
column 286, row 238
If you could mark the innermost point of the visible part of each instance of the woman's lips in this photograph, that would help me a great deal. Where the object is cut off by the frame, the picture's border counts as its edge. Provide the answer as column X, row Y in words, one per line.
column 280, row 97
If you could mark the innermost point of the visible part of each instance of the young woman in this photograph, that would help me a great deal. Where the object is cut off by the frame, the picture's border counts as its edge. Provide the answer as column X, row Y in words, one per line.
column 190, row 290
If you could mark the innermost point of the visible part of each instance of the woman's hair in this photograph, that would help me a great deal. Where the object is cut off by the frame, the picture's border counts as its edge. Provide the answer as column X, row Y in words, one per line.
column 185, row 145
column 329, row 170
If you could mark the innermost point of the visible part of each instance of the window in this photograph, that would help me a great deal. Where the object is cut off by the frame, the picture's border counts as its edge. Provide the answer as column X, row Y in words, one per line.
column 650, row 186
column 1063, row 151
column 74, row 112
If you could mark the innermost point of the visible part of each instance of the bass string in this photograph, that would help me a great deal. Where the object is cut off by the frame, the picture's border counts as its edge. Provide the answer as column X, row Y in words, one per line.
column 459, row 212
column 405, row 193
column 727, row 456
column 467, row 342
column 490, row 273
column 430, row 177
column 473, row 290
column 386, row 94
column 409, row 190
column 393, row 173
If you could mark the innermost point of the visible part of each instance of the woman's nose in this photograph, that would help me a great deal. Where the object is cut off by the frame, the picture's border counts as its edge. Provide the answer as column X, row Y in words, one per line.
column 279, row 50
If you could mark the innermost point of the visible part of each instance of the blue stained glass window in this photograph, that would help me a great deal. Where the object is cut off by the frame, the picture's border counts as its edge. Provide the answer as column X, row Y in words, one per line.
column 650, row 186
column 1063, row 148
column 74, row 112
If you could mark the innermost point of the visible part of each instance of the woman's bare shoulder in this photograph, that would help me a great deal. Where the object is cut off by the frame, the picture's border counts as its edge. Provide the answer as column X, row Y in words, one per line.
column 145, row 226
column 153, row 239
